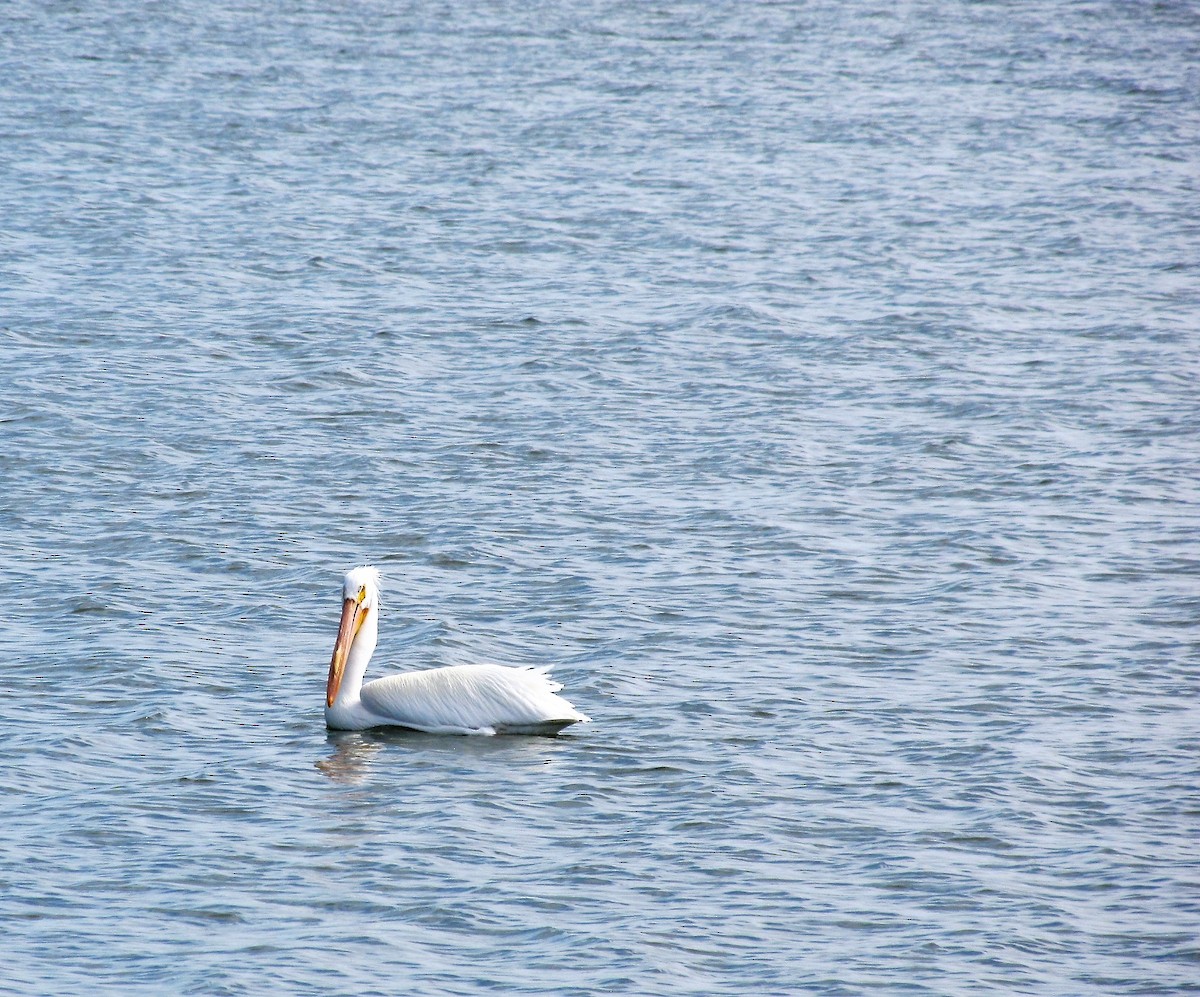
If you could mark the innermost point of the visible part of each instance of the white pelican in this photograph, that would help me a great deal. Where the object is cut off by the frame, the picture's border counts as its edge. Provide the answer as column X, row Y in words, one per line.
column 459, row 699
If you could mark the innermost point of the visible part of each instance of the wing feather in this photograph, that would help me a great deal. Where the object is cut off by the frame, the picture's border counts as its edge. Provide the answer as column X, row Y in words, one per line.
column 471, row 699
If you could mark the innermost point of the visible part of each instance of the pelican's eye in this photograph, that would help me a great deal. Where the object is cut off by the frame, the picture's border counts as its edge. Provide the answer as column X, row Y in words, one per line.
column 362, row 594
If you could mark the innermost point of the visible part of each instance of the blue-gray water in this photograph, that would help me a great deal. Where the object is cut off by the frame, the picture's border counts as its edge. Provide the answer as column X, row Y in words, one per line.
column 814, row 384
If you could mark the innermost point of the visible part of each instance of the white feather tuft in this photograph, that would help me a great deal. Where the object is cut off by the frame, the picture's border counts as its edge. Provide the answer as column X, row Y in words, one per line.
column 366, row 577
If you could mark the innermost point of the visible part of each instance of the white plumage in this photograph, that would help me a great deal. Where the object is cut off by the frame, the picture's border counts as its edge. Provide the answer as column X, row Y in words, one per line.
column 459, row 699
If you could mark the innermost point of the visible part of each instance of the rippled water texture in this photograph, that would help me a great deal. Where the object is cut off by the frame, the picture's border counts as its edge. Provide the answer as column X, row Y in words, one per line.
column 813, row 384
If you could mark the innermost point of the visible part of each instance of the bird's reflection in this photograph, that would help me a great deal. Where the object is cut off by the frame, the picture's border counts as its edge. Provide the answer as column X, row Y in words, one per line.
column 351, row 758
column 355, row 753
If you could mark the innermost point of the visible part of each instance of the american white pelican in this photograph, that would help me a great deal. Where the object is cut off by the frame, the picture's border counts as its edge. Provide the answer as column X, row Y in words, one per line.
column 459, row 699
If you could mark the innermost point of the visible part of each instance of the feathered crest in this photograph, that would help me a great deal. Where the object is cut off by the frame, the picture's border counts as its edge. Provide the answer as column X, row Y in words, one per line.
column 366, row 576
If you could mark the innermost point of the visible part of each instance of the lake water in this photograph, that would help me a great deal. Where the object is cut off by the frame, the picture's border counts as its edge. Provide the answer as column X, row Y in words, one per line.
column 814, row 385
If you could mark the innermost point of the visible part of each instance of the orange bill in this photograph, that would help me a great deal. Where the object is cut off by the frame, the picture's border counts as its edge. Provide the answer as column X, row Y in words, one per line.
column 352, row 616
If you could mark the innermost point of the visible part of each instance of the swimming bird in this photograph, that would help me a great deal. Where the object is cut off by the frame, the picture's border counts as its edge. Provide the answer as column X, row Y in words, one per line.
column 457, row 699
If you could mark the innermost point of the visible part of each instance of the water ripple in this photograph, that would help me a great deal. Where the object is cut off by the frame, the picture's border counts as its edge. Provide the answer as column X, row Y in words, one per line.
column 813, row 386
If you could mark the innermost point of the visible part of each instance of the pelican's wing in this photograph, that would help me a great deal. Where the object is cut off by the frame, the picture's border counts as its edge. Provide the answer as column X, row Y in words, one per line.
column 472, row 699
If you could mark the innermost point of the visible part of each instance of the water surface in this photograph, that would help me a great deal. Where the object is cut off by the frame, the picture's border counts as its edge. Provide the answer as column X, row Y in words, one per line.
column 814, row 385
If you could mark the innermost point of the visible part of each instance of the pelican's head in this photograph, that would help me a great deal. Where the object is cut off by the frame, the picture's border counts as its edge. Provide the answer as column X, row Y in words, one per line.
column 360, row 598
column 362, row 585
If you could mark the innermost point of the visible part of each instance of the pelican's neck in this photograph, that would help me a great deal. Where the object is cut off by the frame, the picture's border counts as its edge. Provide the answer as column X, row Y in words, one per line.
column 358, row 659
